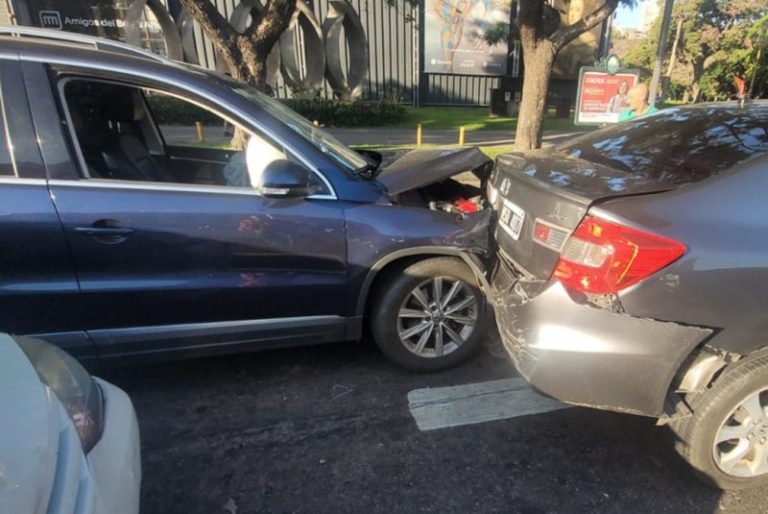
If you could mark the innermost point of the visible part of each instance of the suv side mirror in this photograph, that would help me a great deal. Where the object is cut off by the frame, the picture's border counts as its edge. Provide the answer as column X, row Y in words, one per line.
column 282, row 178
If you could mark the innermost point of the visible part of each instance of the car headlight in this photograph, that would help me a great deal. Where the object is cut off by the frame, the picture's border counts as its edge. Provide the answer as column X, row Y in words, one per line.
column 73, row 385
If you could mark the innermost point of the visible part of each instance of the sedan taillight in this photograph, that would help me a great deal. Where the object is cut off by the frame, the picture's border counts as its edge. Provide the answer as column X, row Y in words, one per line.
column 602, row 257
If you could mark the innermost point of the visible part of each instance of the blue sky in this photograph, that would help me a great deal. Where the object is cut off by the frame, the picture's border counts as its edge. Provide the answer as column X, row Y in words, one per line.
column 628, row 17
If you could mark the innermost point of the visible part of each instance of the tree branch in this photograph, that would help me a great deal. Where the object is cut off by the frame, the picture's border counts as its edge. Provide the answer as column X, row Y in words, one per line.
column 565, row 35
column 530, row 20
column 213, row 23
column 276, row 19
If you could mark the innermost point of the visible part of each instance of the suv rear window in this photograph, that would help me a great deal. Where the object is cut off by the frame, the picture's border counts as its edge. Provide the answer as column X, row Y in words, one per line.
column 676, row 145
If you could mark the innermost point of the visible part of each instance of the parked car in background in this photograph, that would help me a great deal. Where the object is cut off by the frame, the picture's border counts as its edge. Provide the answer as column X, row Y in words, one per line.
column 634, row 277
column 70, row 442
column 126, row 236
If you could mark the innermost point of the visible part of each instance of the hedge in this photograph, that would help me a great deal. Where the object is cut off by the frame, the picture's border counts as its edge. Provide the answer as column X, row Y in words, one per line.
column 172, row 111
column 168, row 110
column 348, row 114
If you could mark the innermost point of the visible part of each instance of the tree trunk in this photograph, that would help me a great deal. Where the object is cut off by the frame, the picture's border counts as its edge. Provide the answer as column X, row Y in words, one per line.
column 255, row 65
column 244, row 54
column 698, row 72
column 672, row 59
column 754, row 73
column 533, row 108
column 695, row 91
column 539, row 51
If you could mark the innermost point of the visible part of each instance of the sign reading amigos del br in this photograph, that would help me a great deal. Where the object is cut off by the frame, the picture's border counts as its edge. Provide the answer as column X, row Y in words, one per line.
column 144, row 23
column 55, row 19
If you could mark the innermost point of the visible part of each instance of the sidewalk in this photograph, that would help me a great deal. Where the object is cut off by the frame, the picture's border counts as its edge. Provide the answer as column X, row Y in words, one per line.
column 380, row 136
column 400, row 136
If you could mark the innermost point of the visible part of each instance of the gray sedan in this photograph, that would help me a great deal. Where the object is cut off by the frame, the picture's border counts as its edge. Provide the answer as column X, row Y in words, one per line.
column 633, row 276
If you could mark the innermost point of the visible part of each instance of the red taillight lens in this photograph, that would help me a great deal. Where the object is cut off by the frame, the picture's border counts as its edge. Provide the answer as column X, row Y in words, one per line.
column 541, row 232
column 602, row 257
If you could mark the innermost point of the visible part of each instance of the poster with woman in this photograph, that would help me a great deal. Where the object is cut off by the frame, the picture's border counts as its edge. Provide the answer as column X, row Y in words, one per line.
column 602, row 96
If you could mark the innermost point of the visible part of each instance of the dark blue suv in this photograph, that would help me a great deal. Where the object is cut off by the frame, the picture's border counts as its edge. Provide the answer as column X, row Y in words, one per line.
column 153, row 209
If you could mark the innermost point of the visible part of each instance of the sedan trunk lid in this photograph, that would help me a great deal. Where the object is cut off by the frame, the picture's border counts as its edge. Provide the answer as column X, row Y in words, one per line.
column 541, row 196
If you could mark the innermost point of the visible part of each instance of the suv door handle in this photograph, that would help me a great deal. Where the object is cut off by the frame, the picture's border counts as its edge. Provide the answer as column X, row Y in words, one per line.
column 99, row 231
column 106, row 231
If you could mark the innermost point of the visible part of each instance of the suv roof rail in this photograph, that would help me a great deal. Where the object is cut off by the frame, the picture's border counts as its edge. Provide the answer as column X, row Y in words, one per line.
column 71, row 37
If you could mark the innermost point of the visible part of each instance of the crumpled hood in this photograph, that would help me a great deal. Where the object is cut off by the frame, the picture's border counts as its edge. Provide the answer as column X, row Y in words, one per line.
column 422, row 167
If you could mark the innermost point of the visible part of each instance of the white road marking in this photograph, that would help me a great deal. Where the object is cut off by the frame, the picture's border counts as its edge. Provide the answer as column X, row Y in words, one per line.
column 467, row 404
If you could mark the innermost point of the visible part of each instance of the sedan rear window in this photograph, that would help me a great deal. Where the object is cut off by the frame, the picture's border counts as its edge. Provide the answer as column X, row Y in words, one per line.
column 676, row 145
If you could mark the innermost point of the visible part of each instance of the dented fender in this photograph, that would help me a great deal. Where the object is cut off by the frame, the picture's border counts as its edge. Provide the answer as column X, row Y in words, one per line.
column 584, row 355
column 464, row 236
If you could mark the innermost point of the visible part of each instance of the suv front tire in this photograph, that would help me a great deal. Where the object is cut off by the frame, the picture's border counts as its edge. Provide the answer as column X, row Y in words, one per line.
column 430, row 316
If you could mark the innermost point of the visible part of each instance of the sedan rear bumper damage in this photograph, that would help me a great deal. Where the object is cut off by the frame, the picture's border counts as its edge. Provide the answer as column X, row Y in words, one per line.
column 584, row 355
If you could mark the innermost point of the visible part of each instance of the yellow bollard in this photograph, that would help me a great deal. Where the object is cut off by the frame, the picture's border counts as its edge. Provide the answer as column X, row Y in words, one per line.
column 418, row 134
column 199, row 130
column 461, row 135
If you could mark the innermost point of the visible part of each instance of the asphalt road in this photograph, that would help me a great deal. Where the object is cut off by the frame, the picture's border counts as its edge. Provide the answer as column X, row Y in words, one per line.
column 328, row 429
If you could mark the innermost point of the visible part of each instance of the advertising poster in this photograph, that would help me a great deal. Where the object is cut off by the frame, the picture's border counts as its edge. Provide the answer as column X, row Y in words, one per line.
column 453, row 37
column 125, row 20
column 602, row 96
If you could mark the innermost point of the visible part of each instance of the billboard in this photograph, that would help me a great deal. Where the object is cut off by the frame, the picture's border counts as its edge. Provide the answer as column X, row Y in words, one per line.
column 453, row 37
column 602, row 96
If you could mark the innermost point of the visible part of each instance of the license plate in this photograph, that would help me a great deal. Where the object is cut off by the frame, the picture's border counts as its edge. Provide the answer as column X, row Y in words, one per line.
column 511, row 219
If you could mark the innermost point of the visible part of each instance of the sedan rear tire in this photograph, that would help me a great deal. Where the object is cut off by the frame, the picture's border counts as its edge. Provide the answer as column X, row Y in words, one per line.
column 430, row 316
column 726, row 438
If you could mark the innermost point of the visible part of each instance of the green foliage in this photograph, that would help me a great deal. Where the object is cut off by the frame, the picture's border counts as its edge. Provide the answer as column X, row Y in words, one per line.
column 720, row 40
column 472, row 118
column 348, row 114
column 640, row 57
column 497, row 33
column 168, row 110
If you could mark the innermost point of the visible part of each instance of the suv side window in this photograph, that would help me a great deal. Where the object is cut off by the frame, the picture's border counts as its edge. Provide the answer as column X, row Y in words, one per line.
column 185, row 124
column 130, row 133
column 6, row 163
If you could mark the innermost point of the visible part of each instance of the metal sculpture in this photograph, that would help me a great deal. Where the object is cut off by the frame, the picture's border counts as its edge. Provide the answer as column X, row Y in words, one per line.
column 173, row 44
column 306, row 54
column 303, row 20
column 346, row 84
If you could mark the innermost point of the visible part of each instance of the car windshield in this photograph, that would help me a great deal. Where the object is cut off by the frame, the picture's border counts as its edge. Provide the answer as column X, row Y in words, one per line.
column 678, row 145
column 320, row 138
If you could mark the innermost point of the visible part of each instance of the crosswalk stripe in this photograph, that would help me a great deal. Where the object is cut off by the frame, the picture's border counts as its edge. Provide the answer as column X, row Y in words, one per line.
column 443, row 407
